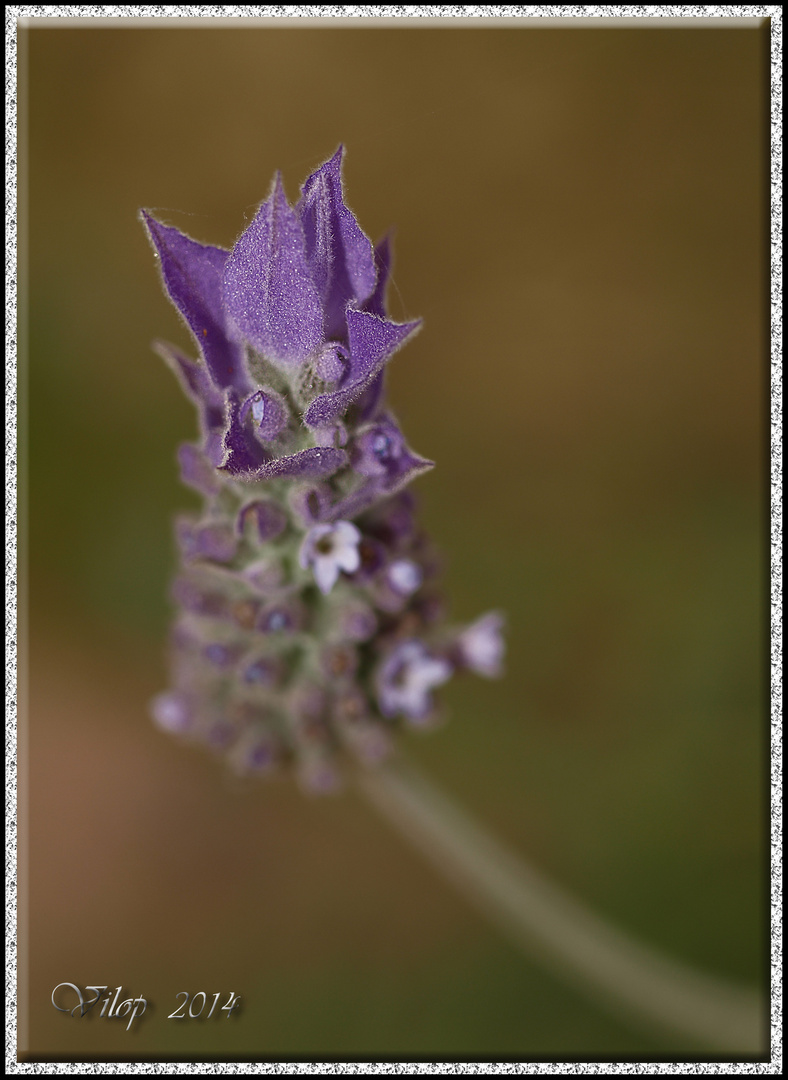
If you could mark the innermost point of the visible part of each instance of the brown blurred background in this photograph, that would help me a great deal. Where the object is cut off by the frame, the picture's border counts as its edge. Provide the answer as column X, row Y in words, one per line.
column 580, row 219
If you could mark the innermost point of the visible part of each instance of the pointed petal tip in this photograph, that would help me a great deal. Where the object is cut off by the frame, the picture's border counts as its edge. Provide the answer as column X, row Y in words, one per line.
column 334, row 162
column 278, row 185
column 385, row 244
column 148, row 220
column 151, row 226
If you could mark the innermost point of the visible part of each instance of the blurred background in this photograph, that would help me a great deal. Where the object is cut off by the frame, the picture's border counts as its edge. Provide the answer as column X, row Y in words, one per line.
column 580, row 220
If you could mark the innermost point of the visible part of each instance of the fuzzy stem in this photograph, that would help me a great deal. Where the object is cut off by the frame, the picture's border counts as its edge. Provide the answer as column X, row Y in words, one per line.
column 558, row 930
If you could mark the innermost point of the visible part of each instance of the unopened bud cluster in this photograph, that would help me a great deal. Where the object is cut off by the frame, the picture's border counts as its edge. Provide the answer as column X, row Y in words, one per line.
column 308, row 621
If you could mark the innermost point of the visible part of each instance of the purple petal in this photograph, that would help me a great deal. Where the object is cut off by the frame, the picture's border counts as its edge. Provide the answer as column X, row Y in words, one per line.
column 372, row 341
column 197, row 385
column 196, row 470
column 408, row 468
column 246, row 458
column 377, row 450
column 243, row 452
column 381, row 451
column 268, row 286
column 364, row 496
column 192, row 275
column 371, row 399
column 269, row 414
column 316, row 462
column 375, row 488
column 339, row 253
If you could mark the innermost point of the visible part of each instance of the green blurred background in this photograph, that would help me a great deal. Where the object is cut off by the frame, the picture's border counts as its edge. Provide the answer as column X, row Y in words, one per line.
column 580, row 218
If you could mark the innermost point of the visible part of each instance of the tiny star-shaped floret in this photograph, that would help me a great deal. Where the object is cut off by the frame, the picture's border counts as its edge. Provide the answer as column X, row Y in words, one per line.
column 481, row 645
column 329, row 549
column 406, row 679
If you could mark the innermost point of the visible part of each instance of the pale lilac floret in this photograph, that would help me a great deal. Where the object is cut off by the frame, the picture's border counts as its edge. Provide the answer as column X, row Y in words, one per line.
column 481, row 645
column 407, row 678
column 329, row 549
column 172, row 712
column 404, row 576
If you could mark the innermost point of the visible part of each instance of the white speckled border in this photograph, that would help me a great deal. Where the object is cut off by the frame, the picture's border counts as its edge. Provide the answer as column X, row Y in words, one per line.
column 738, row 15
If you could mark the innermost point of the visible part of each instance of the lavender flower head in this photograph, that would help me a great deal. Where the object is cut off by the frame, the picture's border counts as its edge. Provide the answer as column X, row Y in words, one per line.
column 308, row 624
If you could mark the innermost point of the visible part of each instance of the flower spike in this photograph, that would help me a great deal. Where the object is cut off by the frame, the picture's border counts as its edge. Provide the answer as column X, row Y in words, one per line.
column 308, row 624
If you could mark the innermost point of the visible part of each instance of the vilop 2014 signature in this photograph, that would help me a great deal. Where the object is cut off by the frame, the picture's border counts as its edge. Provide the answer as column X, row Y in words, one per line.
column 131, row 1007
column 134, row 1007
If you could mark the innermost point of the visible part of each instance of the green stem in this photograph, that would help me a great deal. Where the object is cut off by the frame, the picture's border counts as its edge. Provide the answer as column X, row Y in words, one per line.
column 558, row 930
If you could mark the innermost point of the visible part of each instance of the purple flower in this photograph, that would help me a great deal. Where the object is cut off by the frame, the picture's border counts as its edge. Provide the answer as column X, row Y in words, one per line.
column 301, row 467
column 328, row 549
column 481, row 645
column 407, row 678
